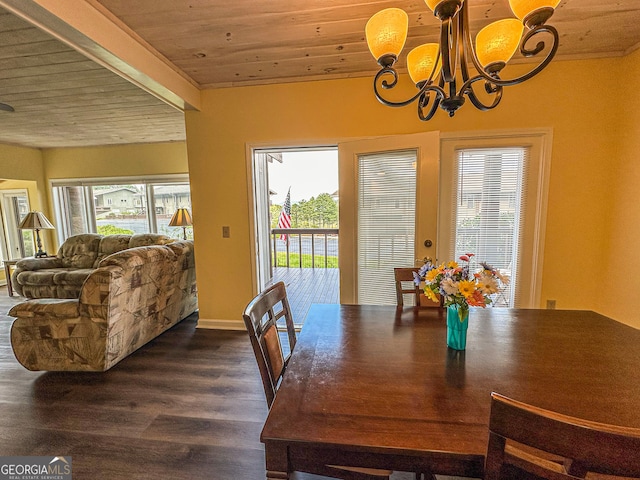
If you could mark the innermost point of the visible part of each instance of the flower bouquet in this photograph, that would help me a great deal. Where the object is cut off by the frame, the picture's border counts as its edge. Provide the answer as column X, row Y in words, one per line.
column 459, row 288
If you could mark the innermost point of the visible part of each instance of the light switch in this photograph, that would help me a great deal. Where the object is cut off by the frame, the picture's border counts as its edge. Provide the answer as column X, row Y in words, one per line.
column 226, row 232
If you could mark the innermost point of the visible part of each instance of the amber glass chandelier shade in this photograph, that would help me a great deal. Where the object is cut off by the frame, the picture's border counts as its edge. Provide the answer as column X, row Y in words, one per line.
column 386, row 32
column 498, row 41
column 432, row 3
column 421, row 62
column 522, row 8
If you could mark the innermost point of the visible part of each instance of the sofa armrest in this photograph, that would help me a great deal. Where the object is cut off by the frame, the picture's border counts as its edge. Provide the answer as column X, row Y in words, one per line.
column 49, row 334
column 38, row 263
column 45, row 307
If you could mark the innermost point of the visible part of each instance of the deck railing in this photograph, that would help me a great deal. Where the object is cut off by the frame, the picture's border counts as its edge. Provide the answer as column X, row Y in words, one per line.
column 304, row 247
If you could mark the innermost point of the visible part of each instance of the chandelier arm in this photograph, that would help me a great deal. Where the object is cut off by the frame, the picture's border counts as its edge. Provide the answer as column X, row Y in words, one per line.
column 424, row 101
column 385, row 85
column 527, row 53
column 449, row 47
column 490, row 88
column 466, row 47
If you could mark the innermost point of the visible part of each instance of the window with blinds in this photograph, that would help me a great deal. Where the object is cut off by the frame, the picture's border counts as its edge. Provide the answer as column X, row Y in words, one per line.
column 386, row 222
column 490, row 201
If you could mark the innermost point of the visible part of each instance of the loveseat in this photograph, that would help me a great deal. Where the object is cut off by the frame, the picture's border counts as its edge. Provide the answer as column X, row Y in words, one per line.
column 132, row 297
column 63, row 275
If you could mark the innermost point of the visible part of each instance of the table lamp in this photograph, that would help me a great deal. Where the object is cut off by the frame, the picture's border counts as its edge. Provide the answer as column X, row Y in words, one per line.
column 181, row 218
column 36, row 221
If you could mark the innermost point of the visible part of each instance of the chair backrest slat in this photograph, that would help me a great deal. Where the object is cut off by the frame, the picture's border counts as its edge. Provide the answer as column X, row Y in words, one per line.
column 260, row 318
column 584, row 446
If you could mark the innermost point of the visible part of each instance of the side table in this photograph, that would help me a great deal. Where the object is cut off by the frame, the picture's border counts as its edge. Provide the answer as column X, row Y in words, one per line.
column 8, row 264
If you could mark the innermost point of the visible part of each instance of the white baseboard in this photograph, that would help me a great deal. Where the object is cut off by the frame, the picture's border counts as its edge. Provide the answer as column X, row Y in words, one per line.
column 220, row 324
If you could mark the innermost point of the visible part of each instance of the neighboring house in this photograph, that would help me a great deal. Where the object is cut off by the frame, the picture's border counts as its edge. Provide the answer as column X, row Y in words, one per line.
column 118, row 200
column 168, row 198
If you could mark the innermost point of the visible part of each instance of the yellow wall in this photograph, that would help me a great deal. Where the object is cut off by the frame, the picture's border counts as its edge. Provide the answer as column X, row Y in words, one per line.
column 20, row 163
column 116, row 161
column 584, row 117
column 617, row 278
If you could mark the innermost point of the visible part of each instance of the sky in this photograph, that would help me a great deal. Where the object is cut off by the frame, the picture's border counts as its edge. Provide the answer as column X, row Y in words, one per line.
column 308, row 173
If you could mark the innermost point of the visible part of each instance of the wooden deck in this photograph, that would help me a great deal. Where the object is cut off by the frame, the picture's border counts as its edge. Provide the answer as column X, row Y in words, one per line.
column 308, row 285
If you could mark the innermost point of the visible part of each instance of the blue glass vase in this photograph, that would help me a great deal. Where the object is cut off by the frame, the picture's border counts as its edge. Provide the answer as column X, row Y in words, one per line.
column 457, row 324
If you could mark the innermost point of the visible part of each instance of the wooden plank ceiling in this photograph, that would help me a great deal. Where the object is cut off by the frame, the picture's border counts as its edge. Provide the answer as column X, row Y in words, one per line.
column 238, row 42
column 63, row 99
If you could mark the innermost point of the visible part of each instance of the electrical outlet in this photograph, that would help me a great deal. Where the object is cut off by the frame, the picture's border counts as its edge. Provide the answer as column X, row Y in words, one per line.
column 226, row 232
column 551, row 304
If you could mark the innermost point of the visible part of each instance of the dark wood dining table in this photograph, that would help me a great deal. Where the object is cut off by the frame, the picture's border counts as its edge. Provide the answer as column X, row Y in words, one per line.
column 376, row 386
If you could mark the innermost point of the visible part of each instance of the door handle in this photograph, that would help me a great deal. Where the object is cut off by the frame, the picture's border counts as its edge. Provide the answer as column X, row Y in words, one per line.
column 424, row 260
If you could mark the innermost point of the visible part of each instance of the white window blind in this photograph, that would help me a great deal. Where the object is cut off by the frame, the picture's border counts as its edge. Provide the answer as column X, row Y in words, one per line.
column 386, row 222
column 490, row 201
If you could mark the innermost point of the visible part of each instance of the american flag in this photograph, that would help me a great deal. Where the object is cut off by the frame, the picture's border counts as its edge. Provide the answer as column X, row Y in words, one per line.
column 284, row 221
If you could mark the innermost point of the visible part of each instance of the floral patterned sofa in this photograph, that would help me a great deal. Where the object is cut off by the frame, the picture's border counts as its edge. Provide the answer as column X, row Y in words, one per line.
column 133, row 296
column 62, row 276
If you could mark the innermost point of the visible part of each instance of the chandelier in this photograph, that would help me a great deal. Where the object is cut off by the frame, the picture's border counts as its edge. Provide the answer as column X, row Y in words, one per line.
column 433, row 67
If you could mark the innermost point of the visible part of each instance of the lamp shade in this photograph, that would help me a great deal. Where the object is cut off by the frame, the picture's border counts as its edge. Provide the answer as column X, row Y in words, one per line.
column 498, row 41
column 386, row 32
column 35, row 221
column 421, row 62
column 522, row 8
column 181, row 218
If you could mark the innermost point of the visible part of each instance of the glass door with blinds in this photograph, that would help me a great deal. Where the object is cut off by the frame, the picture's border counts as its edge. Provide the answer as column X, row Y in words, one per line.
column 386, row 221
column 492, row 204
column 388, row 210
column 489, row 197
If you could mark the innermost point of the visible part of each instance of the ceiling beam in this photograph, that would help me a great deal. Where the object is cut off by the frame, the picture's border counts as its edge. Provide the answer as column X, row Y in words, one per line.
column 90, row 31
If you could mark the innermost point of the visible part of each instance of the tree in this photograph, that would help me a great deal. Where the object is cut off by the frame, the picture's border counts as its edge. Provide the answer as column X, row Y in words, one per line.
column 317, row 212
column 326, row 210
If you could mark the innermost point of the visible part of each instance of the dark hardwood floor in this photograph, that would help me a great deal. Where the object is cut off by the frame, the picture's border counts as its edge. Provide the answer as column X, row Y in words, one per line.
column 188, row 405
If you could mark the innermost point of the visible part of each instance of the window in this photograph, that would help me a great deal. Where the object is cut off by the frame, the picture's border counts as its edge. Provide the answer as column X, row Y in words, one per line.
column 493, row 199
column 109, row 207
column 15, row 243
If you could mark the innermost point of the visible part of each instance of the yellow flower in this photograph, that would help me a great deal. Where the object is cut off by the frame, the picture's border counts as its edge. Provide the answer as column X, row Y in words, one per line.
column 466, row 288
column 430, row 295
column 452, row 264
column 432, row 274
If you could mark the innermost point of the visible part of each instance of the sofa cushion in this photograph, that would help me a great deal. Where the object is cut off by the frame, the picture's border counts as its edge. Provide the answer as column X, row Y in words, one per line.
column 80, row 251
column 37, row 277
column 71, row 276
column 146, row 239
column 111, row 244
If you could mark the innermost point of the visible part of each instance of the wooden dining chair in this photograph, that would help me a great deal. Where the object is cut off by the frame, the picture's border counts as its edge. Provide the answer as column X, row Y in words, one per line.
column 406, row 286
column 260, row 318
column 553, row 446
